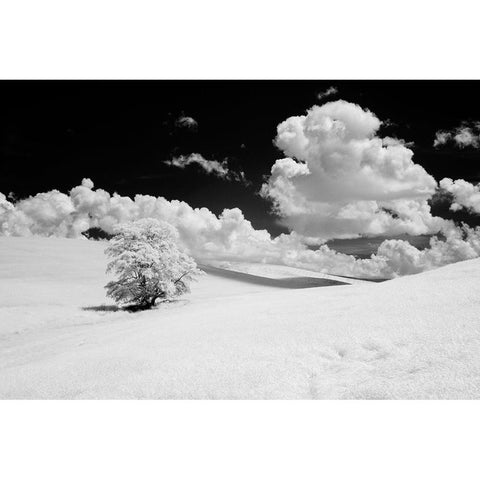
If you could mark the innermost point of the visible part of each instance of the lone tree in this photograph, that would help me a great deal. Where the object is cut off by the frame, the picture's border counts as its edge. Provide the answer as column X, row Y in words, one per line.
column 149, row 264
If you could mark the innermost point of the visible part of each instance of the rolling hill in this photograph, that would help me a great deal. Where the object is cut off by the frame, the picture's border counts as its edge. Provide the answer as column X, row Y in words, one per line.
column 247, row 332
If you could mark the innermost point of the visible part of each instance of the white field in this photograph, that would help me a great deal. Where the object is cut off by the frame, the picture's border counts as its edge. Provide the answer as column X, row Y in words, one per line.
column 413, row 337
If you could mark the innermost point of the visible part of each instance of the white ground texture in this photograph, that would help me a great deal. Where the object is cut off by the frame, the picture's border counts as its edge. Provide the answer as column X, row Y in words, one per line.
column 233, row 338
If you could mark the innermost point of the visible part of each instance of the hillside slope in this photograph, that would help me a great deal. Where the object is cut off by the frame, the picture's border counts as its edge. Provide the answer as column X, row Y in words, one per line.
column 413, row 337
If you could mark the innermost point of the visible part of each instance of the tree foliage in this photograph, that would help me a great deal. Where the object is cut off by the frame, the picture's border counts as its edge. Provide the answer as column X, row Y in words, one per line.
column 149, row 264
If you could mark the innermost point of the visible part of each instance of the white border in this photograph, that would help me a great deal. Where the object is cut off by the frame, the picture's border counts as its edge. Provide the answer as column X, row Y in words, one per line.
column 249, row 39
column 239, row 440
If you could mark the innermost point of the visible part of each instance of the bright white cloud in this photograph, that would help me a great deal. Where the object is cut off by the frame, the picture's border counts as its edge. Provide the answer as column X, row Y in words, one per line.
column 327, row 93
column 341, row 180
column 228, row 236
column 466, row 135
column 465, row 194
column 186, row 122
column 213, row 167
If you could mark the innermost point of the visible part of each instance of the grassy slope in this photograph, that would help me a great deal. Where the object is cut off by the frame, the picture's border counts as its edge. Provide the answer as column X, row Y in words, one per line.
column 414, row 337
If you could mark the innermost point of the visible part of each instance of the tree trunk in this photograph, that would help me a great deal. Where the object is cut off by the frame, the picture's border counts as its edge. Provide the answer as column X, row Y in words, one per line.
column 152, row 302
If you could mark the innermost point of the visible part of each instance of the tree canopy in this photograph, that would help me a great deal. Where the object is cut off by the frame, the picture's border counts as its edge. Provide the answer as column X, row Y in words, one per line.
column 149, row 264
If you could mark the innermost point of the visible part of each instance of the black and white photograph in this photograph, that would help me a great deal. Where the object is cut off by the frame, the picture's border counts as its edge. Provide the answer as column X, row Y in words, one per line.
column 160, row 246
column 239, row 240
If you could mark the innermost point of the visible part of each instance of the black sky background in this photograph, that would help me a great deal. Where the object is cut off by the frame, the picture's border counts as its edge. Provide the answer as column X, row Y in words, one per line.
column 119, row 133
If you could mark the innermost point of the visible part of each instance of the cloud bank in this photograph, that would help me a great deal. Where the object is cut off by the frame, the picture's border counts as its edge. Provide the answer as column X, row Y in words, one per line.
column 212, row 167
column 466, row 135
column 341, row 180
column 228, row 236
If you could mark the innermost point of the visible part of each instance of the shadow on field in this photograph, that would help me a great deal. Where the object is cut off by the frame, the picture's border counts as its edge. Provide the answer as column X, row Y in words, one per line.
column 296, row 282
column 129, row 308
column 103, row 308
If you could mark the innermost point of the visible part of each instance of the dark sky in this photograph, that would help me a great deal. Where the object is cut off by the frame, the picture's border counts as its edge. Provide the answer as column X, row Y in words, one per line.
column 118, row 133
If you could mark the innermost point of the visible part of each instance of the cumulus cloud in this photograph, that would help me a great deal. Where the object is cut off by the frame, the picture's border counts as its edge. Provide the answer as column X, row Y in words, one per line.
column 228, row 236
column 341, row 180
column 466, row 135
column 212, row 167
column 327, row 93
column 465, row 194
column 186, row 122
column 201, row 232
